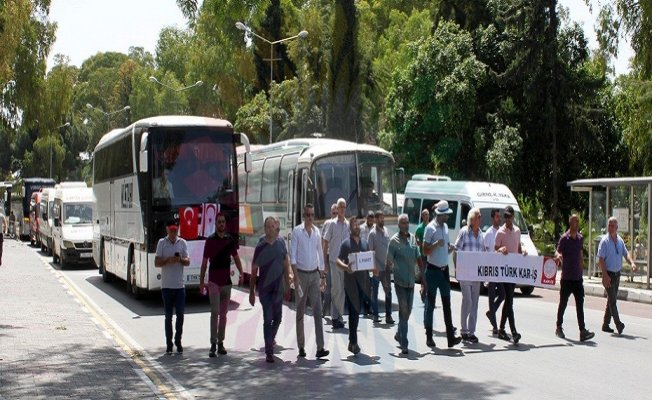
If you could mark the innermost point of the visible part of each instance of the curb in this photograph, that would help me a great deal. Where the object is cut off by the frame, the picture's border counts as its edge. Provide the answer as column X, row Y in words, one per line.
column 624, row 294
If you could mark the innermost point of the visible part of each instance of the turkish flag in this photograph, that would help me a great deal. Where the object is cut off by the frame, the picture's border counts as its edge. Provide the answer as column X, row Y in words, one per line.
column 189, row 222
column 209, row 213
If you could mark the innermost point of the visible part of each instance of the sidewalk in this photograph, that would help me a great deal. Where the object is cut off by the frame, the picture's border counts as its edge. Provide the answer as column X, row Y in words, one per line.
column 593, row 287
column 49, row 345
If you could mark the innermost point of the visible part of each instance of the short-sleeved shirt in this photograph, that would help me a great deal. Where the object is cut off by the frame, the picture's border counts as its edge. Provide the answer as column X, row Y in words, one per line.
column 335, row 234
column 490, row 238
column 349, row 247
column 219, row 250
column 270, row 259
column 365, row 229
column 433, row 233
column 172, row 274
column 403, row 252
column 418, row 234
column 378, row 242
column 571, row 251
column 612, row 252
column 510, row 238
column 468, row 241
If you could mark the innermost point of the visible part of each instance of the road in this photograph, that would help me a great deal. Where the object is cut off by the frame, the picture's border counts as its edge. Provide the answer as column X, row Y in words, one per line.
column 541, row 366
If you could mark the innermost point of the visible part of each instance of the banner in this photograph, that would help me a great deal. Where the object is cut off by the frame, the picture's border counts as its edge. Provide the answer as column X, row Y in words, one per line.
column 512, row 268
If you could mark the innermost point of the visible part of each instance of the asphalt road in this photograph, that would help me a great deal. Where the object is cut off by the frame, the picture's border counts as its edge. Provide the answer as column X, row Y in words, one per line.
column 541, row 366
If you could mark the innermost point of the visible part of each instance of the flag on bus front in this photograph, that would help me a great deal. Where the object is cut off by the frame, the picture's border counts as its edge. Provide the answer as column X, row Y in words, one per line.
column 189, row 223
column 208, row 218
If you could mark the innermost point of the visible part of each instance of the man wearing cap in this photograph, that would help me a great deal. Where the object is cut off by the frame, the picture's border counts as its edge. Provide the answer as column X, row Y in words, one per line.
column 378, row 243
column 508, row 240
column 219, row 249
column 436, row 245
column 611, row 251
column 171, row 257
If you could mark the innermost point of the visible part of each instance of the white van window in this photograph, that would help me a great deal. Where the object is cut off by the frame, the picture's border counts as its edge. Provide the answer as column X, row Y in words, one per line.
column 412, row 207
column 80, row 213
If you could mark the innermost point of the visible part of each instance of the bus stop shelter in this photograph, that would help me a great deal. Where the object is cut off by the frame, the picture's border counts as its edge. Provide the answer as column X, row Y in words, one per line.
column 627, row 199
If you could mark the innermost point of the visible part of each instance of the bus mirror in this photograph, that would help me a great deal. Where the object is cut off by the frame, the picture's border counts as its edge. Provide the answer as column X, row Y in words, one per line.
column 143, row 152
column 400, row 177
column 242, row 138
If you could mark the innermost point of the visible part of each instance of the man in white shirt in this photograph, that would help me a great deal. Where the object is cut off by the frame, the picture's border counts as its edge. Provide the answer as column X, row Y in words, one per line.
column 337, row 232
column 326, row 294
column 495, row 291
column 306, row 257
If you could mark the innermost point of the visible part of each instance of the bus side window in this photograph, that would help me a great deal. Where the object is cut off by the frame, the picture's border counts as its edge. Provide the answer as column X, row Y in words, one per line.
column 270, row 179
column 253, row 182
column 242, row 182
column 465, row 213
column 288, row 163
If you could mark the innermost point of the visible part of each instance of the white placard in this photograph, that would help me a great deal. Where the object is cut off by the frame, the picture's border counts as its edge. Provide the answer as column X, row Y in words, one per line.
column 622, row 216
column 362, row 261
column 513, row 268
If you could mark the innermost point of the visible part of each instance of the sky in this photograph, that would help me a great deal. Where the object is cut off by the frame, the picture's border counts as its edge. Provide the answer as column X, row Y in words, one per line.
column 86, row 27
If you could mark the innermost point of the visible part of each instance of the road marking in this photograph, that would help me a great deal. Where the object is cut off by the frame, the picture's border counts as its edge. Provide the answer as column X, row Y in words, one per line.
column 148, row 369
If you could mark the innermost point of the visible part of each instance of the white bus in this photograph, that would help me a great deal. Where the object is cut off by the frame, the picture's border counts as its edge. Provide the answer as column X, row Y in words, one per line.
column 157, row 169
column 287, row 175
column 72, row 230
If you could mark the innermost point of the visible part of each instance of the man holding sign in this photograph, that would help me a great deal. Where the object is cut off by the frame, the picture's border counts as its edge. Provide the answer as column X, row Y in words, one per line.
column 354, row 279
column 508, row 240
column 436, row 245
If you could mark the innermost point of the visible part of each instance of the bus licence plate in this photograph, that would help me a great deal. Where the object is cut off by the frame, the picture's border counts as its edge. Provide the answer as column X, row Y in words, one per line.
column 86, row 255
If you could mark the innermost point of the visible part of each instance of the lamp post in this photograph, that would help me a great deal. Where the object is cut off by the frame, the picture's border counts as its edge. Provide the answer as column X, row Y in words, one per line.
column 66, row 125
column 108, row 115
column 301, row 35
column 176, row 90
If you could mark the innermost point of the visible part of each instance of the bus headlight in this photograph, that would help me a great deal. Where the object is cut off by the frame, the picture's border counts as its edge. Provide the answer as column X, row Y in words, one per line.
column 68, row 244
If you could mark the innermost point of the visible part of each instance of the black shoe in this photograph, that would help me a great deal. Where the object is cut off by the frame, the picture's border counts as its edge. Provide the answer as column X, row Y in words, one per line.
column 389, row 320
column 211, row 353
column 322, row 353
column 465, row 337
column 503, row 335
column 337, row 324
column 169, row 349
column 429, row 341
column 456, row 340
column 607, row 328
column 560, row 333
column 585, row 335
column 302, row 352
column 621, row 328
column 494, row 331
column 405, row 351
column 220, row 349
column 269, row 358
column 376, row 318
column 516, row 337
column 179, row 347
column 354, row 348
column 472, row 339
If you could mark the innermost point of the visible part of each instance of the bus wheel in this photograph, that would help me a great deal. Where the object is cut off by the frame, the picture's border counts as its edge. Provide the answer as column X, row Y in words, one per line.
column 63, row 262
column 55, row 259
column 132, row 287
column 107, row 277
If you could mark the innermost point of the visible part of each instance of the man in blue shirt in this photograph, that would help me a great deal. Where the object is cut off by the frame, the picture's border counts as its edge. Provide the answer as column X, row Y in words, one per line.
column 436, row 245
column 611, row 251
column 271, row 263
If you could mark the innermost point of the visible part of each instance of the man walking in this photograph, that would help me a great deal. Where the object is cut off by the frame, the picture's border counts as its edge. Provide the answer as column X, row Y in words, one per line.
column 418, row 234
column 378, row 242
column 569, row 253
column 611, row 251
column 402, row 259
column 326, row 293
column 508, row 240
column 354, row 281
column 219, row 249
column 336, row 233
column 365, row 229
column 270, row 264
column 436, row 245
column 3, row 233
column 470, row 238
column 495, row 290
column 171, row 257
column 307, row 259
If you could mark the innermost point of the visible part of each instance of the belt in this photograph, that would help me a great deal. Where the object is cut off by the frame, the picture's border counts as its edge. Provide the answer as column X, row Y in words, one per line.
column 613, row 273
column 436, row 267
column 308, row 272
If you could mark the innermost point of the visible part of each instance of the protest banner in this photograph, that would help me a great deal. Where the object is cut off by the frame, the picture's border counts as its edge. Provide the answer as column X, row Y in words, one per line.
column 513, row 268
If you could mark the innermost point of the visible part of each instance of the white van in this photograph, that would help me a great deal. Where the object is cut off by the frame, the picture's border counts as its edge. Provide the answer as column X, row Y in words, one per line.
column 72, row 230
column 45, row 228
column 461, row 197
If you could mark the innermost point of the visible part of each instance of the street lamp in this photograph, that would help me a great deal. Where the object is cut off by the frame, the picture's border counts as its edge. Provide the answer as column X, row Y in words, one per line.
column 196, row 84
column 66, row 125
column 108, row 114
column 301, row 35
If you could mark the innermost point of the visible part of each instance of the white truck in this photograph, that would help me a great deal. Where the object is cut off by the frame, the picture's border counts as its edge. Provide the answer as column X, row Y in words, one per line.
column 72, row 230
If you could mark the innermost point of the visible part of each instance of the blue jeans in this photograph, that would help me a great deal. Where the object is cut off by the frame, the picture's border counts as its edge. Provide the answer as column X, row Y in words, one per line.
column 384, row 277
column 272, row 301
column 405, row 300
column 173, row 299
column 438, row 279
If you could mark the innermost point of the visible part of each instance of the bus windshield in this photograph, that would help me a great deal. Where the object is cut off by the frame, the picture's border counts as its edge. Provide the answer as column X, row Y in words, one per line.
column 77, row 213
column 362, row 179
column 191, row 166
